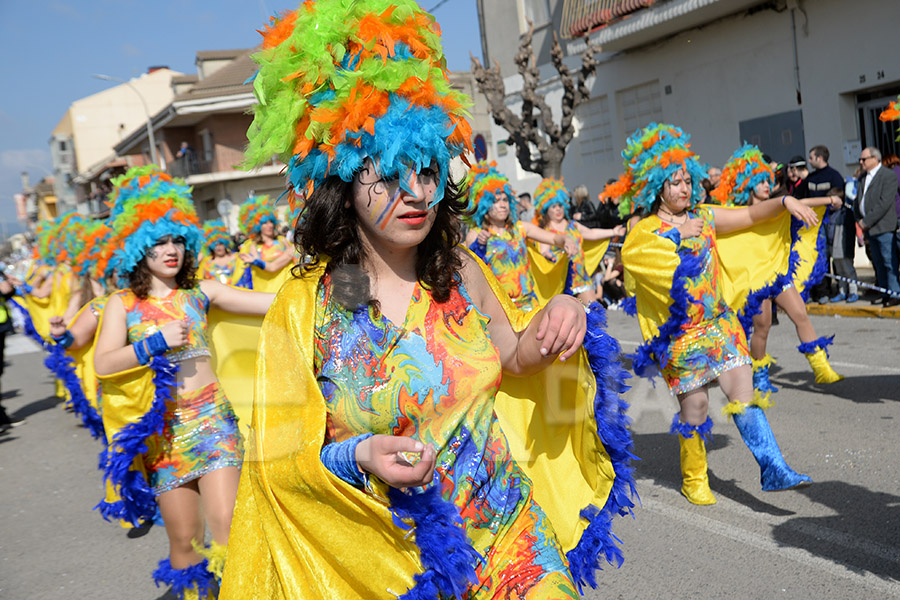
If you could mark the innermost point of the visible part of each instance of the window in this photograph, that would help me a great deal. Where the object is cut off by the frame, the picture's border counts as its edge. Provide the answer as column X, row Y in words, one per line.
column 536, row 11
column 595, row 138
column 639, row 106
column 206, row 137
column 62, row 145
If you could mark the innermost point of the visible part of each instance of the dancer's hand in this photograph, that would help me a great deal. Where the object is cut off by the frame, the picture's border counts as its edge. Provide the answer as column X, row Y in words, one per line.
column 562, row 327
column 57, row 326
column 387, row 457
column 619, row 230
column 175, row 333
column 690, row 228
column 570, row 246
column 483, row 236
column 801, row 211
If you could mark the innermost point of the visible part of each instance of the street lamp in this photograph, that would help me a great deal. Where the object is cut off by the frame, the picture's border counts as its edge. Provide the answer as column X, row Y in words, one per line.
column 153, row 156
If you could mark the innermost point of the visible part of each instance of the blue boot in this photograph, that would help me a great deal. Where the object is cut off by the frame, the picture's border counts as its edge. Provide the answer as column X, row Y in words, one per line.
column 775, row 474
column 761, row 374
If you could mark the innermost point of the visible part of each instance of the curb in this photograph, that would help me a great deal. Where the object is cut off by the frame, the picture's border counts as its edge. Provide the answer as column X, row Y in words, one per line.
column 857, row 309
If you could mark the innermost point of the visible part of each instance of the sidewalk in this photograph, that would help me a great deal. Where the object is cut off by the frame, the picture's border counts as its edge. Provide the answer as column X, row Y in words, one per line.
column 860, row 308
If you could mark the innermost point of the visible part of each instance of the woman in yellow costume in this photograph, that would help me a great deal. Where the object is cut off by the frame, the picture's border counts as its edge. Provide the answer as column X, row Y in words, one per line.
column 267, row 254
column 380, row 464
column 499, row 238
column 690, row 333
column 73, row 332
column 746, row 181
column 173, row 440
column 551, row 211
column 219, row 262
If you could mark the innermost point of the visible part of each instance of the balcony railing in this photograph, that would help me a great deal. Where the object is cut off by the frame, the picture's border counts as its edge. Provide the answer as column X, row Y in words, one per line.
column 580, row 17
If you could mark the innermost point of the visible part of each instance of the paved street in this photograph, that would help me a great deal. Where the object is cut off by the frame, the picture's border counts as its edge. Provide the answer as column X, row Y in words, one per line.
column 839, row 538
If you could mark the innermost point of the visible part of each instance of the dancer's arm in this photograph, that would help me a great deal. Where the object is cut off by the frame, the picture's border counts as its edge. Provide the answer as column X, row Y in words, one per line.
column 557, row 330
column 236, row 300
column 82, row 328
column 533, row 232
column 594, row 234
column 114, row 354
column 728, row 220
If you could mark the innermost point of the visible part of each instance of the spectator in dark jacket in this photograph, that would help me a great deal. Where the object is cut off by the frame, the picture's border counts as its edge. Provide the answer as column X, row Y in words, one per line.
column 876, row 213
column 817, row 184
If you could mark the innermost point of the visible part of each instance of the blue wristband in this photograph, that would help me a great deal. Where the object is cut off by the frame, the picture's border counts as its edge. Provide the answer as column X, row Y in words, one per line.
column 783, row 198
column 479, row 249
column 156, row 344
column 340, row 459
column 141, row 352
column 65, row 340
column 259, row 263
column 27, row 287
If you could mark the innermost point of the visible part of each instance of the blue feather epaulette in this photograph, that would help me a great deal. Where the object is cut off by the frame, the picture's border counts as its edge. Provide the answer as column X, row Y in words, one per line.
column 610, row 409
column 137, row 504
column 444, row 550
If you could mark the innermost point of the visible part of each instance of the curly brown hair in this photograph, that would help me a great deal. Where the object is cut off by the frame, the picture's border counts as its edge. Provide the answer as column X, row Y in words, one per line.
column 139, row 278
column 326, row 228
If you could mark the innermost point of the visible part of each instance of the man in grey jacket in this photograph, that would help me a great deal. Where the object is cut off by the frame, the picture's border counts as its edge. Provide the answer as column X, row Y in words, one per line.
column 877, row 216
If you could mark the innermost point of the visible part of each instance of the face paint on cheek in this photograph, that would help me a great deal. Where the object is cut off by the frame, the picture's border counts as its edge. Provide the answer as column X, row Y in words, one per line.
column 381, row 220
column 152, row 254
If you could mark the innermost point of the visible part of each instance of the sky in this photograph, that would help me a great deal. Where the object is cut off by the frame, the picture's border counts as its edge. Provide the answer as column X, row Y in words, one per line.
column 51, row 48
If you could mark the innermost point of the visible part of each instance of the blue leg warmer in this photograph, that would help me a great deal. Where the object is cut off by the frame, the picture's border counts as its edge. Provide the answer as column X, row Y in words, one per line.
column 194, row 582
column 775, row 474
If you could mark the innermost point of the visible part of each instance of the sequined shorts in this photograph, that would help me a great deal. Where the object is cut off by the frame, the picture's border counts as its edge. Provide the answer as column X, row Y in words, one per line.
column 201, row 435
column 704, row 352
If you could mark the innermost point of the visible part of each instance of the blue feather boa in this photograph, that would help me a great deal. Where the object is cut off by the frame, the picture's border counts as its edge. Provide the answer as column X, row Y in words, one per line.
column 629, row 305
column 654, row 351
column 63, row 367
column 814, row 346
column 137, row 504
column 821, row 266
column 444, row 550
column 753, row 304
column 610, row 409
column 246, row 280
column 28, row 325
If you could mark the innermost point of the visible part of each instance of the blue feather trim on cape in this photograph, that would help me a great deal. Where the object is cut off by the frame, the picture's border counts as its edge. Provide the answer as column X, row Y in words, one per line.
column 28, row 325
column 137, row 504
column 444, row 550
column 629, row 305
column 63, row 367
column 610, row 409
column 653, row 352
column 246, row 280
column 821, row 266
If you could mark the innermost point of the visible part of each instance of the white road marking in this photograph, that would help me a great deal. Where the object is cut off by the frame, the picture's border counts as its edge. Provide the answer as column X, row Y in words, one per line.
column 799, row 555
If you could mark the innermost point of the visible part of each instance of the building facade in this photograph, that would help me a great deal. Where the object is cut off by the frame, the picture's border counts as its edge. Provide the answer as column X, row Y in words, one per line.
column 785, row 75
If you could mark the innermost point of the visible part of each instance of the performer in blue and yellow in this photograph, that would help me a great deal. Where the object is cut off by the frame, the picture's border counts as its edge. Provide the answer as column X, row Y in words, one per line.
column 552, row 204
column 747, row 180
column 268, row 256
column 173, row 435
column 390, row 456
column 499, row 238
column 219, row 262
column 672, row 268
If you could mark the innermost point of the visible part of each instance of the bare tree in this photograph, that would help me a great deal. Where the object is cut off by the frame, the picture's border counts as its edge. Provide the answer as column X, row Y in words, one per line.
column 535, row 127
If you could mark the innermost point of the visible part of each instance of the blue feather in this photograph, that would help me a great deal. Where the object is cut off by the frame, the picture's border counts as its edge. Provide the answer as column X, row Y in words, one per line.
column 196, row 577
column 63, row 367
column 654, row 351
column 137, row 504
column 629, row 305
column 821, row 267
column 814, row 346
column 246, row 280
column 444, row 549
column 610, row 410
column 687, row 430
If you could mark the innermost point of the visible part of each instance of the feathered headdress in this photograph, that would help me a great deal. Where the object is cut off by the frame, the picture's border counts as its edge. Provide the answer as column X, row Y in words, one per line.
column 744, row 171
column 43, row 234
column 67, row 239
column 94, row 244
column 486, row 185
column 215, row 232
column 651, row 156
column 892, row 113
column 255, row 211
column 146, row 205
column 340, row 81
column 550, row 192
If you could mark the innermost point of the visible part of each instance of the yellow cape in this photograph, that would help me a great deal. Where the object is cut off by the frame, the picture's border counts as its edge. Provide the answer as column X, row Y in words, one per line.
column 807, row 248
column 84, row 360
column 301, row 532
column 550, row 277
column 265, row 281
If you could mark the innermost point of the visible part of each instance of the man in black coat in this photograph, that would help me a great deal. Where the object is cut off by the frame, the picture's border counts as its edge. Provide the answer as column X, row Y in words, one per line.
column 875, row 213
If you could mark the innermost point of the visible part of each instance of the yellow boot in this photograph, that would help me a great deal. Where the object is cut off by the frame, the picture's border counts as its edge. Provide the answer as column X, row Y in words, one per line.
column 695, row 481
column 817, row 355
column 818, row 360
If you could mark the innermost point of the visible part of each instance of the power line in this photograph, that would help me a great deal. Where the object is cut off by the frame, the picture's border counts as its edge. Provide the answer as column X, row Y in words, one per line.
column 437, row 6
